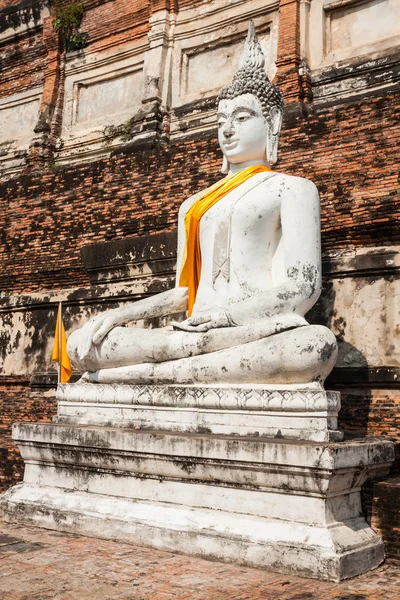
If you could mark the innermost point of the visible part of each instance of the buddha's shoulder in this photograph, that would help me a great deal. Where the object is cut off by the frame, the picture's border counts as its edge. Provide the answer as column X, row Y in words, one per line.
column 186, row 204
column 291, row 184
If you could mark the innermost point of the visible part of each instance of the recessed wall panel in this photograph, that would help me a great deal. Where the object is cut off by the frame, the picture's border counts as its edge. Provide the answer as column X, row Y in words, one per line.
column 108, row 97
column 362, row 24
column 17, row 120
column 210, row 69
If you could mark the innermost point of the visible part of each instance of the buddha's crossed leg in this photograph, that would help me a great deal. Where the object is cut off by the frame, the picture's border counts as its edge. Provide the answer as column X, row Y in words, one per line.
column 275, row 351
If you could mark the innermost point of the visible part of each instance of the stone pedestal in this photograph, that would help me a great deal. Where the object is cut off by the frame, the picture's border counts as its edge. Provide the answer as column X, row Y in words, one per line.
column 287, row 504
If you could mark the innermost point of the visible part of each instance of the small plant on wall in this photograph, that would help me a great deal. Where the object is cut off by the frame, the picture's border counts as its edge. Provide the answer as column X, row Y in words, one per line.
column 68, row 16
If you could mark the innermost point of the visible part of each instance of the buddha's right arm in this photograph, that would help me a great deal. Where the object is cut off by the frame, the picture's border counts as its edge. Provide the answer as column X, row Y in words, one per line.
column 166, row 303
column 159, row 305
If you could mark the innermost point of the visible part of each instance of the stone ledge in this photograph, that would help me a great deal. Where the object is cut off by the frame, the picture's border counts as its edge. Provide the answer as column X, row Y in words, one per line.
column 131, row 257
column 328, row 455
column 384, row 377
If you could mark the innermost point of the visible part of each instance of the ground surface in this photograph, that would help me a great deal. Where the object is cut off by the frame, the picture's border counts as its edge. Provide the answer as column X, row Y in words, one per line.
column 37, row 564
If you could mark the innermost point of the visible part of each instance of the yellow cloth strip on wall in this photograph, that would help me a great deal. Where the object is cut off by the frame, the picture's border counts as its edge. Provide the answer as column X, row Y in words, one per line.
column 64, row 363
column 191, row 269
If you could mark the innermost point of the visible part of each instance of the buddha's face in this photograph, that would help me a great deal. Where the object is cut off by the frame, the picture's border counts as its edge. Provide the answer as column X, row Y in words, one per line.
column 242, row 129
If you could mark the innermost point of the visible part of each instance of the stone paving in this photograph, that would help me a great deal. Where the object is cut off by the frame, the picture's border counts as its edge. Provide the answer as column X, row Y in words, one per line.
column 37, row 564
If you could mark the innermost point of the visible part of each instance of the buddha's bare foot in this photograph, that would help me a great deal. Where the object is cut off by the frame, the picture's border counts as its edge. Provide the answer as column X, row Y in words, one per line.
column 88, row 377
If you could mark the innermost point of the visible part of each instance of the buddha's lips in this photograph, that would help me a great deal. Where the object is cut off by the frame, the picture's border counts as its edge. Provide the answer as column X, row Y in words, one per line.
column 230, row 145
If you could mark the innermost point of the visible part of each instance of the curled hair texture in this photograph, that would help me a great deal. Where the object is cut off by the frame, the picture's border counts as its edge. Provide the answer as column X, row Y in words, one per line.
column 251, row 77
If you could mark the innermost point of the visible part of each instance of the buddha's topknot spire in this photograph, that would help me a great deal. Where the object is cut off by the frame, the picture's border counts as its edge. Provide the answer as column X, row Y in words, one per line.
column 253, row 56
column 251, row 77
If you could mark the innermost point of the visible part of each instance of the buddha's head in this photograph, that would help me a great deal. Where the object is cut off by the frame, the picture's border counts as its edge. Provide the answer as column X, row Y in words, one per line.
column 250, row 111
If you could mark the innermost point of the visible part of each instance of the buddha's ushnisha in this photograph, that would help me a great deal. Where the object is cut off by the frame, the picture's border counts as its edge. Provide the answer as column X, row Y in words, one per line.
column 248, row 269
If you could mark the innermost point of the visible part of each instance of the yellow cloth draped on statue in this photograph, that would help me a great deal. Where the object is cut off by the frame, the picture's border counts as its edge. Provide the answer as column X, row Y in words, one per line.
column 191, row 270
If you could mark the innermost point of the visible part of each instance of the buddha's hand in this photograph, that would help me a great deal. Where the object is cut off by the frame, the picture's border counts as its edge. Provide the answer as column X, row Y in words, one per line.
column 205, row 321
column 96, row 329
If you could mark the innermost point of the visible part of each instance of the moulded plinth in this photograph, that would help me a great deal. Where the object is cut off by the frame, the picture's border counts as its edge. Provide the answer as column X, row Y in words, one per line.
column 287, row 412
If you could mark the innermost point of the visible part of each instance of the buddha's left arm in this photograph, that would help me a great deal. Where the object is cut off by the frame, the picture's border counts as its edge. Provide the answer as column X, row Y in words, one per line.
column 300, row 222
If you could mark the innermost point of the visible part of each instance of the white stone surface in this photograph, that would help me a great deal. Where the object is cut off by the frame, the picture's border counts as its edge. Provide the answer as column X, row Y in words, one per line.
column 361, row 25
column 27, row 25
column 104, row 98
column 318, row 427
column 214, row 34
column 286, row 398
column 218, row 497
column 366, row 309
column 19, row 115
column 307, row 551
column 201, row 81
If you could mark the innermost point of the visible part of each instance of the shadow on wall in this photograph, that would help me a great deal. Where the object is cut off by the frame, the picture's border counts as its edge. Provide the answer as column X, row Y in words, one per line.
column 355, row 396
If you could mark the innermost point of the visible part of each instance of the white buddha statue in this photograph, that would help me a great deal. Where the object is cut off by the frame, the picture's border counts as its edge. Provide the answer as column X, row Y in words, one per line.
column 249, row 268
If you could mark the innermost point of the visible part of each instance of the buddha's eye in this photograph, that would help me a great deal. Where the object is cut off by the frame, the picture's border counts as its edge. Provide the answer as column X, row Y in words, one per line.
column 221, row 124
column 242, row 118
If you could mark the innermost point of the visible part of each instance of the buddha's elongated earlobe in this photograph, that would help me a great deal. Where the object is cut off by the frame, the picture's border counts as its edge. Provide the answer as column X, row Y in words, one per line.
column 268, row 149
column 225, row 166
column 274, row 128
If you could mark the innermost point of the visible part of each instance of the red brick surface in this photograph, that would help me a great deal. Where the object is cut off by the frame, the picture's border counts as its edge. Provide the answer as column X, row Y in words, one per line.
column 371, row 412
column 385, row 517
column 112, row 23
column 22, row 63
column 288, row 55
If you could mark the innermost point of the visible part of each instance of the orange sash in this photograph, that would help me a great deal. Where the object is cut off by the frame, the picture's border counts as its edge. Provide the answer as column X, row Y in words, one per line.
column 191, row 270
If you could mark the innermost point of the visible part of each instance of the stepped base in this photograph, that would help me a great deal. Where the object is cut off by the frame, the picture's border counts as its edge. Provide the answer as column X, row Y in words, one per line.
column 291, row 506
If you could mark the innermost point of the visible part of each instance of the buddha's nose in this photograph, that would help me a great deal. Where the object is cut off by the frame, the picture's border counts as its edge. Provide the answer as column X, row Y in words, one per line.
column 228, row 129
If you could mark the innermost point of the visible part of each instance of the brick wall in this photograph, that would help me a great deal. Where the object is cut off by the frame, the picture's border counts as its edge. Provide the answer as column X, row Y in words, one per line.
column 371, row 412
column 40, row 214
column 349, row 152
column 22, row 64
column 385, row 515
column 114, row 23
column 376, row 413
